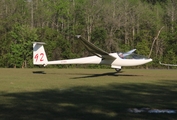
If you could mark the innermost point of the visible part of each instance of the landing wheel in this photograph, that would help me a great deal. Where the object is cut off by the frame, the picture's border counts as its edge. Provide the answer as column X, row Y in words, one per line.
column 117, row 69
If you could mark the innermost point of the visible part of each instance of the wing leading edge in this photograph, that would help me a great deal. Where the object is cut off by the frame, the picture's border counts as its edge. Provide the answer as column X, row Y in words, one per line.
column 95, row 50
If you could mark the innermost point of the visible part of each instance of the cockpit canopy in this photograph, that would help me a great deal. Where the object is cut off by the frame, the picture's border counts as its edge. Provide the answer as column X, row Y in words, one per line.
column 133, row 56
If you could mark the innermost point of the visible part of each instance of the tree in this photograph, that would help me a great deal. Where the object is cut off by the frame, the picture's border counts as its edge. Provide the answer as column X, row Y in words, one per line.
column 21, row 47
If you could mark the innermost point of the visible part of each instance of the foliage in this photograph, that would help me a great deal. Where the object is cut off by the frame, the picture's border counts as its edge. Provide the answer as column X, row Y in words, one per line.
column 111, row 25
column 20, row 49
column 98, row 37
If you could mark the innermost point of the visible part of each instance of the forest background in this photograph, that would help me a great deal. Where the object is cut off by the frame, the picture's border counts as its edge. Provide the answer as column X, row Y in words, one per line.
column 150, row 26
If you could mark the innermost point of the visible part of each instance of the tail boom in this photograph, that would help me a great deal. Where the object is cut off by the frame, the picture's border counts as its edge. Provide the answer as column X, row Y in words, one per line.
column 83, row 60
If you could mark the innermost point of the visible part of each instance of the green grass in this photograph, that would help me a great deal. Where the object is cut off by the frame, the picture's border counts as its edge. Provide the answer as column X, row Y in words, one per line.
column 86, row 94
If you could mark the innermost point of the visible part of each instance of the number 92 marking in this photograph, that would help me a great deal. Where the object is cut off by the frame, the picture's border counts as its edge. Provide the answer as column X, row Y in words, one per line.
column 39, row 57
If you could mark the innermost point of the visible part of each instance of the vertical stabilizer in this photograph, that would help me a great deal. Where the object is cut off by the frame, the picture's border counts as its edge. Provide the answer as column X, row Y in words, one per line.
column 39, row 55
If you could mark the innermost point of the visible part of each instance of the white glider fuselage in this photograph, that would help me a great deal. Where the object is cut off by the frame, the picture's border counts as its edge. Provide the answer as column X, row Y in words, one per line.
column 97, row 60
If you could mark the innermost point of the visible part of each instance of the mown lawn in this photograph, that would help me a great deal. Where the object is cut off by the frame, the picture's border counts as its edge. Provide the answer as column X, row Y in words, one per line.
column 86, row 94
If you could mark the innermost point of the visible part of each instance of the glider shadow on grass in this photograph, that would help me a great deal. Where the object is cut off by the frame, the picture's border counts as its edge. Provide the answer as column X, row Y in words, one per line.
column 39, row 72
column 114, row 74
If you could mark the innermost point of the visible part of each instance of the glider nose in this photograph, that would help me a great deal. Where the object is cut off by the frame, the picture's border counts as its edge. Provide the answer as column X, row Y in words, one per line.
column 149, row 60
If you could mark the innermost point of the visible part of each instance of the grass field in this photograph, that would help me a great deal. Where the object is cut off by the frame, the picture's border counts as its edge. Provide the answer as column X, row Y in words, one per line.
column 86, row 94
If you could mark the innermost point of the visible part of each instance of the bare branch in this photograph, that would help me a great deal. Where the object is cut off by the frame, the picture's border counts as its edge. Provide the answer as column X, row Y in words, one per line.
column 154, row 42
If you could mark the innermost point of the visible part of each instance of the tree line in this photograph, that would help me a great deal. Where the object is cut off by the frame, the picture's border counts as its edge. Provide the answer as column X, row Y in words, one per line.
column 150, row 26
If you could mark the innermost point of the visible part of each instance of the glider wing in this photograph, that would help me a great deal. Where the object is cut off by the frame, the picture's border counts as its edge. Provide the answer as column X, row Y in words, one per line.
column 95, row 50
column 167, row 64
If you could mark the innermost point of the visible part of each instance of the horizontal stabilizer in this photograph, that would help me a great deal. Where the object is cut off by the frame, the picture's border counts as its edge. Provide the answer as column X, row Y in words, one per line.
column 39, row 43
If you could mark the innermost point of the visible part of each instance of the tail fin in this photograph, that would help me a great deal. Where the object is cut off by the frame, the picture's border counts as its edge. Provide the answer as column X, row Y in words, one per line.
column 39, row 55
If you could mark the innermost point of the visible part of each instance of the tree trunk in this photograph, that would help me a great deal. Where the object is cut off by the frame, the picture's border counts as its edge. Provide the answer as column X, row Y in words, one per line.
column 154, row 42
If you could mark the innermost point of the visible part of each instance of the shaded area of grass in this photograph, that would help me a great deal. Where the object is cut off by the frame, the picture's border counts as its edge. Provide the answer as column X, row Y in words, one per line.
column 91, row 103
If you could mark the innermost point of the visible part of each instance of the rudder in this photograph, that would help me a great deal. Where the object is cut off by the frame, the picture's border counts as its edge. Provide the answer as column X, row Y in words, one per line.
column 39, row 55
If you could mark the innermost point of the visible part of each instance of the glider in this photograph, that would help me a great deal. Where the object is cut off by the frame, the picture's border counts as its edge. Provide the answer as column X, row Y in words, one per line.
column 115, row 60
column 167, row 64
